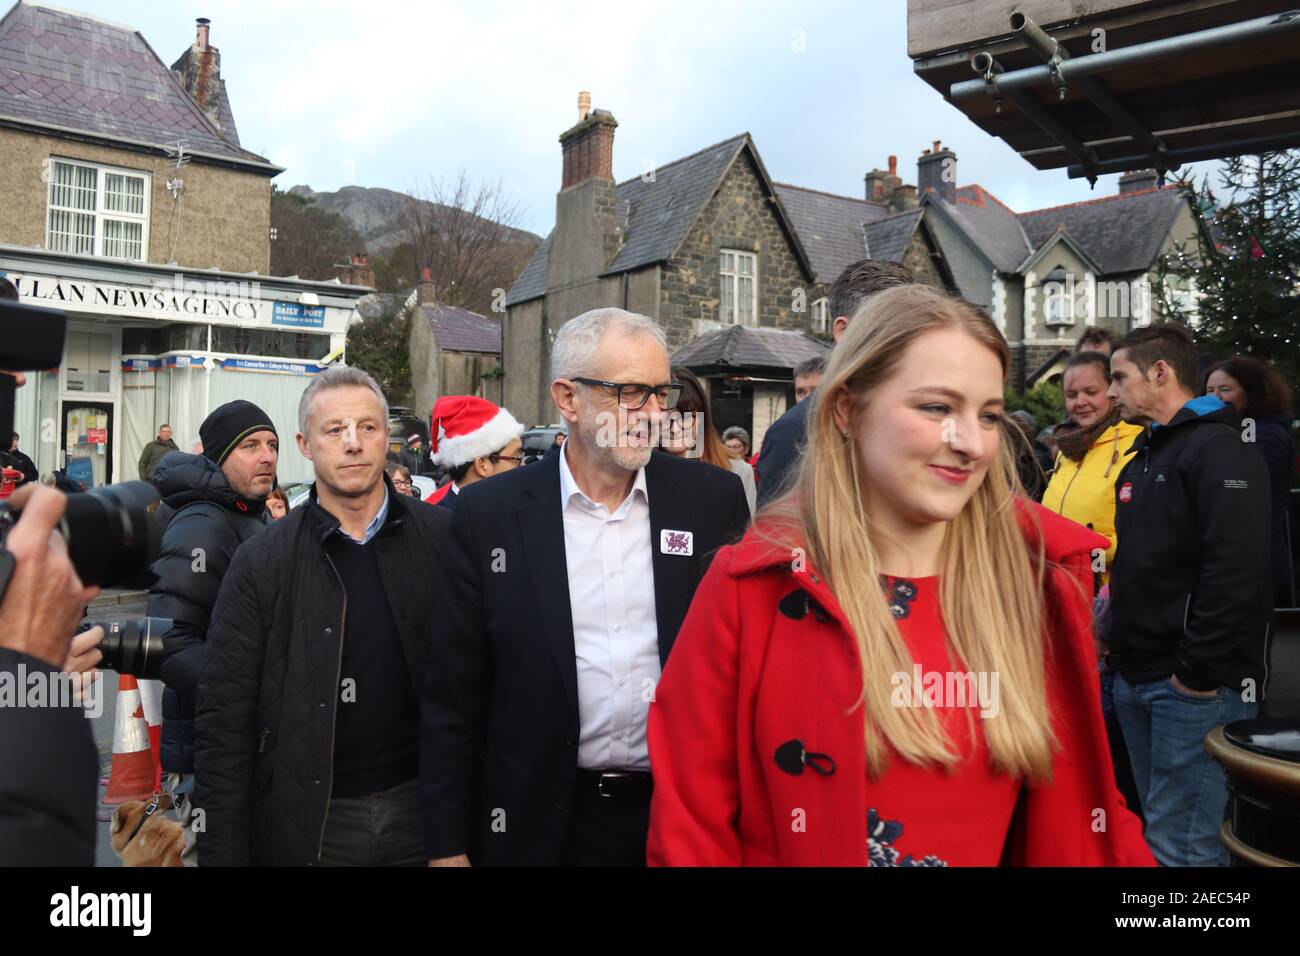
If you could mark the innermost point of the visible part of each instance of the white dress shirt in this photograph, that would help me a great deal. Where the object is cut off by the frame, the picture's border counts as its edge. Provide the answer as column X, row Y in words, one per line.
column 615, row 634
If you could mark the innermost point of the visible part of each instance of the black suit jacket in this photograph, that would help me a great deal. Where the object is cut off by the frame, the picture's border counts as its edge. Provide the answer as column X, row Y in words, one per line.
column 499, row 741
column 782, row 451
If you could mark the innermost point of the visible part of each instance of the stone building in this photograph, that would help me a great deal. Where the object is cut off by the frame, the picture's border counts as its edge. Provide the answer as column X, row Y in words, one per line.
column 1046, row 275
column 702, row 244
column 130, row 205
column 453, row 351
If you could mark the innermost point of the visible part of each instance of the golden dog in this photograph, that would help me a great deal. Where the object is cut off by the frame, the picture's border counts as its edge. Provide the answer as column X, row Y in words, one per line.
column 152, row 841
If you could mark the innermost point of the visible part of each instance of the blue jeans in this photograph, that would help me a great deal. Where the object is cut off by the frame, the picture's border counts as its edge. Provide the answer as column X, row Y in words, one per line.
column 1184, row 792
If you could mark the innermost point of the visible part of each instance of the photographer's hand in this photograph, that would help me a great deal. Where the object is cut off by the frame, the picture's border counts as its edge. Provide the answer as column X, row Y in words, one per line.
column 45, row 598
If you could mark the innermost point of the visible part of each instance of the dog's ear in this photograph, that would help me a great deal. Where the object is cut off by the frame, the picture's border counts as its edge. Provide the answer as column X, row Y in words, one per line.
column 121, row 813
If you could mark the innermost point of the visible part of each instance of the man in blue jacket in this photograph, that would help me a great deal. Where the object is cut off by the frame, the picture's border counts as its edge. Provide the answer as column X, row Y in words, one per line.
column 1190, row 589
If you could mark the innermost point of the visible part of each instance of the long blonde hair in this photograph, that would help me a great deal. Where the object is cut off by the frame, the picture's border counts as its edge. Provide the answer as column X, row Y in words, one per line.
column 991, row 584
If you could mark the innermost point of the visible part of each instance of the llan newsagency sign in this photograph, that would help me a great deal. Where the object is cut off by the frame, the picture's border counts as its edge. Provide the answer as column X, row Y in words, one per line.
column 175, row 299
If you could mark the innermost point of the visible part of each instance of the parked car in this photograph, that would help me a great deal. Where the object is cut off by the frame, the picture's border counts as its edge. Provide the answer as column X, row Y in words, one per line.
column 538, row 441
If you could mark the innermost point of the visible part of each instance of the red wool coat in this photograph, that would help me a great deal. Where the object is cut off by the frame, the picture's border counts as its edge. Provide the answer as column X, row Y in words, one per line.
column 745, row 678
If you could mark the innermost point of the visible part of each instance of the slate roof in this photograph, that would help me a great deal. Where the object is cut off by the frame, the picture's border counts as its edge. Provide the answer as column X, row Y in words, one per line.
column 1122, row 233
column 660, row 213
column 655, row 216
column 460, row 330
column 79, row 73
column 992, row 226
column 531, row 283
column 887, row 238
column 830, row 226
column 746, row 347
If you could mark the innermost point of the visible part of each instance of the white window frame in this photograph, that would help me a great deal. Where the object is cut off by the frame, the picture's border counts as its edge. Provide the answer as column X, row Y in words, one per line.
column 1063, row 315
column 733, row 278
column 100, row 213
column 821, row 315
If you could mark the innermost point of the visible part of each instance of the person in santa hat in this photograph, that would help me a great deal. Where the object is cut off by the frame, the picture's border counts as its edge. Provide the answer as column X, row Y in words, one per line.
column 473, row 439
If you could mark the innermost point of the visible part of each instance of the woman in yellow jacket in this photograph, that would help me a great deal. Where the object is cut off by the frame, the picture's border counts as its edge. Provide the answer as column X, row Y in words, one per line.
column 1093, row 449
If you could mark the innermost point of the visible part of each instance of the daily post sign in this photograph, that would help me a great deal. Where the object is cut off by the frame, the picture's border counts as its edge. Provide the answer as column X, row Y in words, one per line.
column 298, row 316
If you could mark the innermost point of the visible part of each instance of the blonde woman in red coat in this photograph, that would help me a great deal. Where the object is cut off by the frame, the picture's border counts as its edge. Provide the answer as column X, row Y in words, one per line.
column 895, row 666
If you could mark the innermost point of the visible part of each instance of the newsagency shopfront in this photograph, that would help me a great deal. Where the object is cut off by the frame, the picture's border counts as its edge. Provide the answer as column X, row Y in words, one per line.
column 149, row 345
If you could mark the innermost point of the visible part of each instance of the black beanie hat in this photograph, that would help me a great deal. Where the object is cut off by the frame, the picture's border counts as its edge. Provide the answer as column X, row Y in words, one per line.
column 230, row 424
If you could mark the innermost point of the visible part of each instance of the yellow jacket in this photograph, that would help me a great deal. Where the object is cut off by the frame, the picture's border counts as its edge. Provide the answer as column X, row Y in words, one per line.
column 1084, row 491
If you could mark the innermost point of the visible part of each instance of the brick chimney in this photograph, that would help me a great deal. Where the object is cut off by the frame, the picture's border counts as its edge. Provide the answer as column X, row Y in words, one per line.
column 588, row 146
column 357, row 271
column 424, row 288
column 199, row 70
column 1137, row 180
column 587, row 235
column 936, row 172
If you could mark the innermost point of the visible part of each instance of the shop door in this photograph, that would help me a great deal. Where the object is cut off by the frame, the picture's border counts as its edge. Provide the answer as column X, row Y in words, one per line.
column 86, row 440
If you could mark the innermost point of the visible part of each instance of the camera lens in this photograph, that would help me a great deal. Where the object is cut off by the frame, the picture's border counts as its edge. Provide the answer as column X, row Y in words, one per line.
column 112, row 537
column 134, row 647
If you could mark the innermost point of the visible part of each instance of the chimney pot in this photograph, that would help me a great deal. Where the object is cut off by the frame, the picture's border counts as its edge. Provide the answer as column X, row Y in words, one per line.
column 426, row 274
column 584, row 105
column 936, row 146
column 202, row 28
column 893, row 165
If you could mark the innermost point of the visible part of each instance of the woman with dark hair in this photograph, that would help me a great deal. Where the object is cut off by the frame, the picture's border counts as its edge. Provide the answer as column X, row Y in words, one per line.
column 400, row 476
column 689, row 431
column 277, row 503
column 895, row 666
column 1263, row 398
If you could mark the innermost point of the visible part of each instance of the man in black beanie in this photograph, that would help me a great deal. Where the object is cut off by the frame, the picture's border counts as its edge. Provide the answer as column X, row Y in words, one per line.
column 218, row 499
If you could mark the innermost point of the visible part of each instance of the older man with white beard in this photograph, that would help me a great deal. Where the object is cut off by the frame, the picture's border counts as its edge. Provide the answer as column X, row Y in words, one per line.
column 566, row 583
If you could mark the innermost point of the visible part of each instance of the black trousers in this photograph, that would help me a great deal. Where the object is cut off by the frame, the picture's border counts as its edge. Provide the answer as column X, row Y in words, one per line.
column 382, row 829
column 607, row 830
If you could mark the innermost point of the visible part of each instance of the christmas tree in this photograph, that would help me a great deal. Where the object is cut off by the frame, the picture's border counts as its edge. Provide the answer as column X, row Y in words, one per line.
column 1238, row 292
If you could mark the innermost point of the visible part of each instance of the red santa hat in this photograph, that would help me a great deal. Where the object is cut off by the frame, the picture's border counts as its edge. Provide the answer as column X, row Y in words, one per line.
column 466, row 427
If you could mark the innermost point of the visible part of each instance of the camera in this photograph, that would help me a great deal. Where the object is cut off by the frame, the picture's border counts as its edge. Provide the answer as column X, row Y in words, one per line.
column 133, row 646
column 111, row 535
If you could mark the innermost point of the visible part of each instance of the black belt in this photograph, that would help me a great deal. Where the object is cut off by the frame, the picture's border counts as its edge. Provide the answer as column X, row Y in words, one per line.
column 617, row 784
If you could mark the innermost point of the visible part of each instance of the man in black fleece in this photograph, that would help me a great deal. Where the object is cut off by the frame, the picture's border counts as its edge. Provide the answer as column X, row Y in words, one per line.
column 1190, row 589
column 308, row 721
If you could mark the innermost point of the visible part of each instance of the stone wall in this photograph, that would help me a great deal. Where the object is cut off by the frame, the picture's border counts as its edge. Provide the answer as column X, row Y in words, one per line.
column 739, row 216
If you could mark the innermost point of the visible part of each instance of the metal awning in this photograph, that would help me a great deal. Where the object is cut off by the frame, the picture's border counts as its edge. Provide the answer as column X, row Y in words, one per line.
column 1157, row 89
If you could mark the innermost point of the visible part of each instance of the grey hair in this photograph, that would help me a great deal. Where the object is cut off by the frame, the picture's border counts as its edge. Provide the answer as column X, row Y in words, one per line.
column 575, row 345
column 337, row 376
column 735, row 431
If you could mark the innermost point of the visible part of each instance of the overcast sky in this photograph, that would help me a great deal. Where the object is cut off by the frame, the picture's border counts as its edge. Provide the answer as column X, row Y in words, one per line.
column 392, row 92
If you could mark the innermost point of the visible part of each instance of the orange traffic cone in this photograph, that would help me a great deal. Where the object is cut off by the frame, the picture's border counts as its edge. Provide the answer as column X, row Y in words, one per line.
column 151, row 703
column 134, row 770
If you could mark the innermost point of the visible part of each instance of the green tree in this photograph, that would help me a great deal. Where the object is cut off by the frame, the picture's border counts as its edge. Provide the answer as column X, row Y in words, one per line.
column 1045, row 401
column 1237, row 290
column 378, row 345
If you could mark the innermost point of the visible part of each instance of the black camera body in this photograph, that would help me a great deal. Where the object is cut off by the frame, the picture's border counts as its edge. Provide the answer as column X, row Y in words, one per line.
column 111, row 532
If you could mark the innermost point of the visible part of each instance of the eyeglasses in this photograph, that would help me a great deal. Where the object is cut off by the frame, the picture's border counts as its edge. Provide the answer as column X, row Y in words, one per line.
column 632, row 396
column 517, row 459
column 401, row 483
